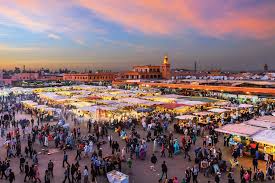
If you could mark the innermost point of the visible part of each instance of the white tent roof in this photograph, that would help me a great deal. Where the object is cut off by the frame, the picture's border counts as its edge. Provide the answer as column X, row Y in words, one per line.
column 185, row 117
column 239, row 129
column 172, row 96
column 261, row 123
column 222, row 103
column 218, row 110
column 107, row 101
column 203, row 113
column 29, row 102
column 265, row 136
column 189, row 102
column 267, row 118
column 80, row 104
column 89, row 108
column 137, row 101
column 41, row 106
column 53, row 109
column 95, row 108
column 245, row 106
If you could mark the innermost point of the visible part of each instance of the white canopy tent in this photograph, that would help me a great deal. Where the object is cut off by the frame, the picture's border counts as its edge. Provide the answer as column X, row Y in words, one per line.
column 172, row 96
column 29, row 102
column 245, row 106
column 203, row 113
column 265, row 136
column 261, row 123
column 267, row 118
column 189, row 102
column 185, row 117
column 138, row 101
column 222, row 103
column 39, row 107
column 242, row 129
column 218, row 110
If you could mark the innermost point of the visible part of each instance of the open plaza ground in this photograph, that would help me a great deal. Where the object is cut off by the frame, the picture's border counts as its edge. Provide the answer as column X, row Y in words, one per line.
column 154, row 123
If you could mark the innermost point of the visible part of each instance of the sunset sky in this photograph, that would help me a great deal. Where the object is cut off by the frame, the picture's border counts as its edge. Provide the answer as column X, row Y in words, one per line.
column 117, row 34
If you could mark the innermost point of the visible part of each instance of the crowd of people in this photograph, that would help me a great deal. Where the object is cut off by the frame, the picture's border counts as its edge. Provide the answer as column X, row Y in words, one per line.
column 127, row 142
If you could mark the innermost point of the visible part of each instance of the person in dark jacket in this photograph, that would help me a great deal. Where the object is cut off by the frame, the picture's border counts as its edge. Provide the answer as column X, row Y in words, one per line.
column 11, row 176
column 153, row 161
column 47, row 177
column 164, row 170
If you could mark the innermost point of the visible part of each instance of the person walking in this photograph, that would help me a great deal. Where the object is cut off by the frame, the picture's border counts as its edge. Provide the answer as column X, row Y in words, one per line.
column 195, row 172
column 153, row 161
column 162, row 150
column 22, row 162
column 47, row 177
column 186, row 152
column 78, row 176
column 86, row 174
column 27, row 171
column 73, row 171
column 67, row 174
column 78, row 154
column 50, row 168
column 65, row 159
column 11, row 176
column 255, row 164
column 164, row 170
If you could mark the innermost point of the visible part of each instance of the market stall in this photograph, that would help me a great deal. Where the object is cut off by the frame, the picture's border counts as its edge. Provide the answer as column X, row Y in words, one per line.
column 241, row 133
column 261, row 123
column 266, row 141
column 183, row 121
column 29, row 104
column 245, row 106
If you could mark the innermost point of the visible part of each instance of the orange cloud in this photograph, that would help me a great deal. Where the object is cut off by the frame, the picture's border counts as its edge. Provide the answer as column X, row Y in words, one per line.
column 216, row 18
column 176, row 16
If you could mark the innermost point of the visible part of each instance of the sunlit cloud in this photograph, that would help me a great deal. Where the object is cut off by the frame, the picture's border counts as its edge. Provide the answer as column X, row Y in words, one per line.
column 54, row 36
column 80, row 42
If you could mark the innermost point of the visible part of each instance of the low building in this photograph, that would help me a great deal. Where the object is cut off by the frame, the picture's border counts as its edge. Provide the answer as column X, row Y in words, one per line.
column 149, row 72
column 26, row 76
column 90, row 77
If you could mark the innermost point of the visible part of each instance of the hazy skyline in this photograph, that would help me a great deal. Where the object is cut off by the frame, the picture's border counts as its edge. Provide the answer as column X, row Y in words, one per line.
column 116, row 34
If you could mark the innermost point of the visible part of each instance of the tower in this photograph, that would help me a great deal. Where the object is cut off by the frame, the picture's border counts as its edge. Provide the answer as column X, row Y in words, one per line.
column 165, row 69
column 265, row 67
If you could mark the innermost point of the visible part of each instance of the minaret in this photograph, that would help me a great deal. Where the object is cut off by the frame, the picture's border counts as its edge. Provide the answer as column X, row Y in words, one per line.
column 265, row 67
column 165, row 69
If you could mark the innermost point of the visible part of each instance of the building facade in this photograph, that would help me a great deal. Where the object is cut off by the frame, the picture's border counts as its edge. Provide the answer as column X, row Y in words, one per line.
column 90, row 77
column 149, row 72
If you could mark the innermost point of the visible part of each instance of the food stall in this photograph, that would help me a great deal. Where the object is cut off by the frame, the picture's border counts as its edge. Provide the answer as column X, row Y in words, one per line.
column 29, row 104
column 202, row 116
column 240, row 133
column 220, row 113
column 266, row 141
column 245, row 106
column 183, row 121
column 261, row 123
